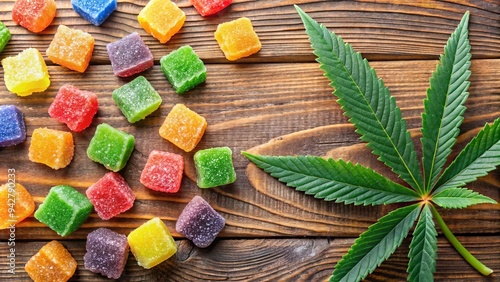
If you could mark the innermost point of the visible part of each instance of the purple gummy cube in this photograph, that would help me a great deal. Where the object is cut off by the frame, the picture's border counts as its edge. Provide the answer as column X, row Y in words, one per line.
column 199, row 222
column 107, row 252
column 129, row 55
column 12, row 127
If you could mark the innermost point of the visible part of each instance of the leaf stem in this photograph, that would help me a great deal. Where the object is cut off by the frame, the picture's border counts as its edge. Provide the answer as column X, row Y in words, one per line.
column 473, row 261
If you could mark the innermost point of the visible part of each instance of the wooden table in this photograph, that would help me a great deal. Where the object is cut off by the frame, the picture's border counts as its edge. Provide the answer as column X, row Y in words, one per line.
column 274, row 102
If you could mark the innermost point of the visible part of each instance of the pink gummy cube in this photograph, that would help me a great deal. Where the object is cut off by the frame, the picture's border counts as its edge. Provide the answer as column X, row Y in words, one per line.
column 111, row 195
column 163, row 172
column 74, row 107
column 210, row 7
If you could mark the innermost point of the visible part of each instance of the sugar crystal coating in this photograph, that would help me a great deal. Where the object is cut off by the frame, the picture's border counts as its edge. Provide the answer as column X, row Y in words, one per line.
column 4, row 36
column 74, row 107
column 183, row 69
column 214, row 167
column 64, row 209
column 71, row 48
column 52, row 263
column 111, row 195
column 94, row 11
column 151, row 243
column 129, row 55
column 12, row 126
column 199, row 222
column 51, row 147
column 26, row 73
column 162, row 19
column 237, row 39
column 107, row 252
column 163, row 171
column 34, row 15
column 23, row 206
column 210, row 7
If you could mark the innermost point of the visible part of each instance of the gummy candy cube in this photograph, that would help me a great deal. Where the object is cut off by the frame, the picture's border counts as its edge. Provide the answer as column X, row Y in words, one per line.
column 214, row 167
column 111, row 195
column 52, row 263
column 237, row 39
column 110, row 147
column 129, row 55
column 16, row 209
column 64, row 209
column 199, row 222
column 163, row 172
column 162, row 19
column 26, row 73
column 74, row 107
column 183, row 69
column 137, row 99
column 71, row 48
column 12, row 126
column 51, row 147
column 94, row 11
column 210, row 7
column 107, row 252
column 34, row 15
column 183, row 127
column 4, row 36
column 151, row 243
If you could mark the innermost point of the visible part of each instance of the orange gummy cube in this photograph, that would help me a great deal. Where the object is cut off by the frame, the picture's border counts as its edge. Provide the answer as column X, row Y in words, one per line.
column 19, row 203
column 162, row 19
column 71, row 48
column 34, row 15
column 237, row 39
column 183, row 127
column 51, row 147
column 52, row 263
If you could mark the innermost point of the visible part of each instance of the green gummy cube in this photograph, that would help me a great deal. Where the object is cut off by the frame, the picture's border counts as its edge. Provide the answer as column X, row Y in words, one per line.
column 137, row 99
column 64, row 209
column 4, row 36
column 110, row 147
column 214, row 167
column 183, row 69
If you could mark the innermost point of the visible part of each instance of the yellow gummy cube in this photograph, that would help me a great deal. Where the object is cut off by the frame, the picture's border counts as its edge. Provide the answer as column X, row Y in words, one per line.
column 26, row 73
column 52, row 263
column 151, row 243
column 54, row 148
column 162, row 19
column 19, row 204
column 237, row 39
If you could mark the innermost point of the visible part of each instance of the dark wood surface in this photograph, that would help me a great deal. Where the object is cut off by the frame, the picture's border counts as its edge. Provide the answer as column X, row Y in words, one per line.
column 274, row 102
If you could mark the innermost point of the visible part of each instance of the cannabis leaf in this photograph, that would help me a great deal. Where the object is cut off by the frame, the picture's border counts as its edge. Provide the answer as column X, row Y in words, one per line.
column 373, row 111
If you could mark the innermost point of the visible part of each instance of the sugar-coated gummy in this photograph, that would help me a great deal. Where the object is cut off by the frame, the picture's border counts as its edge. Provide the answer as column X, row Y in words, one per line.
column 26, row 72
column 23, row 207
column 183, row 127
column 151, row 243
column 54, row 148
column 52, row 263
column 162, row 19
column 163, row 171
column 94, row 11
column 210, row 7
column 107, row 252
column 137, row 99
column 34, row 15
column 12, row 126
column 71, row 48
column 214, row 167
column 237, row 39
column 129, row 55
column 183, row 69
column 111, row 195
column 74, row 107
column 4, row 36
column 64, row 209
column 199, row 222
column 110, row 147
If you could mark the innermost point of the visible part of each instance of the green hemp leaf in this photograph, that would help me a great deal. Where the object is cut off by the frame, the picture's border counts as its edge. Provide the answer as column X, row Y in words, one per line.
column 373, row 111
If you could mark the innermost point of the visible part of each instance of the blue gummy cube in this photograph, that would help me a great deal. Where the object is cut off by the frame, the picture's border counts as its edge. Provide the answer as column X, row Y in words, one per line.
column 94, row 11
column 12, row 127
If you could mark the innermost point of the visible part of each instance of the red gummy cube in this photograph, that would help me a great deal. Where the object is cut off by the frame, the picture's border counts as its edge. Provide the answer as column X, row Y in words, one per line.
column 210, row 7
column 163, row 172
column 111, row 195
column 34, row 15
column 74, row 107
